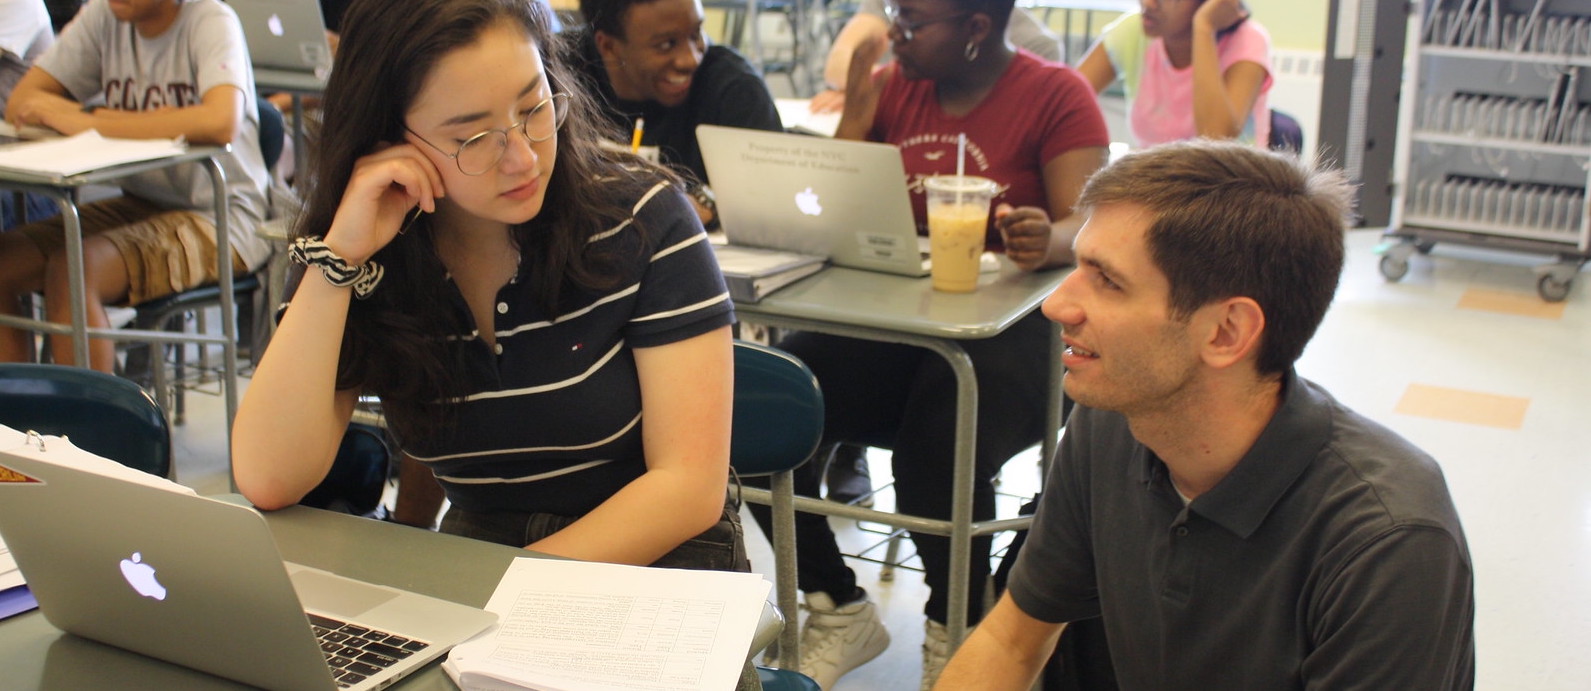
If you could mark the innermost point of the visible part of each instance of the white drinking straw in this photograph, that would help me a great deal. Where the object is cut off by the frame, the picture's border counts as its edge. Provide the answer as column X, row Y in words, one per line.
column 961, row 165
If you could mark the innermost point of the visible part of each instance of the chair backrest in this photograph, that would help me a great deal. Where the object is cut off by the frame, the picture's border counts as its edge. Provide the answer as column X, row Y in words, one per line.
column 778, row 415
column 273, row 132
column 100, row 413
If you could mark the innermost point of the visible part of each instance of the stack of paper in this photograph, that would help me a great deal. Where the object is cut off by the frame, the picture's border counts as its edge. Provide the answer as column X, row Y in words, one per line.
column 83, row 152
column 14, row 595
column 797, row 116
column 582, row 626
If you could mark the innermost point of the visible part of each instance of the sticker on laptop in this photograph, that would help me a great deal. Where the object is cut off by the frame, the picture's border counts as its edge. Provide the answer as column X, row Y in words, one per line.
column 882, row 247
column 7, row 475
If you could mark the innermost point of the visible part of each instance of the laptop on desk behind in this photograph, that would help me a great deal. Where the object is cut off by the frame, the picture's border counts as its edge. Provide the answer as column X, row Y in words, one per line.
column 287, row 42
column 198, row 582
column 845, row 200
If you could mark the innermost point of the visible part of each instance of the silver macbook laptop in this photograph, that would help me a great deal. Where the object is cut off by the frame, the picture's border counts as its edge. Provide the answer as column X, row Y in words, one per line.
column 287, row 41
column 842, row 199
column 198, row 582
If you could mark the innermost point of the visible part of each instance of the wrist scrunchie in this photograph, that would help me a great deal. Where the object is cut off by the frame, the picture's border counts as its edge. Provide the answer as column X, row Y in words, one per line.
column 312, row 251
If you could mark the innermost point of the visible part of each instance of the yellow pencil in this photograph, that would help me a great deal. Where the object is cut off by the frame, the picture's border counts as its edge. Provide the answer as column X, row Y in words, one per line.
column 635, row 138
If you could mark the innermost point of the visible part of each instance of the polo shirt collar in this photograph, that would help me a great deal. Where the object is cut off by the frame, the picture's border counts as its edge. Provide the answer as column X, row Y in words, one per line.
column 1291, row 441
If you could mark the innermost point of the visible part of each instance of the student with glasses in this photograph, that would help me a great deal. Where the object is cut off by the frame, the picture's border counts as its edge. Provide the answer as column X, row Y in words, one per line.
column 871, row 22
column 1035, row 129
column 514, row 294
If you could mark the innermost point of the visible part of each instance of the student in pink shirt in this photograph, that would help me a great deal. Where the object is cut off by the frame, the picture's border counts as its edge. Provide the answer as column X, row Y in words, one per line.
column 1190, row 68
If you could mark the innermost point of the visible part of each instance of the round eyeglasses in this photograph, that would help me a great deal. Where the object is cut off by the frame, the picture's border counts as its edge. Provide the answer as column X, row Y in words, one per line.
column 481, row 152
column 908, row 29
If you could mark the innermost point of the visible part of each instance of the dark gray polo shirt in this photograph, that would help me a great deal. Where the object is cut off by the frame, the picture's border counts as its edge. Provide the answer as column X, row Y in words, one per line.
column 1331, row 557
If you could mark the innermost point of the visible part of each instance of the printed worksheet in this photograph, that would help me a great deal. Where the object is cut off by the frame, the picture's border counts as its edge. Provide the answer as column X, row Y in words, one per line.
column 572, row 626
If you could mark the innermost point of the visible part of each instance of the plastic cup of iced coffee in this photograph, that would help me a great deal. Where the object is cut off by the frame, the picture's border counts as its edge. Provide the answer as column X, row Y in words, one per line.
column 958, row 218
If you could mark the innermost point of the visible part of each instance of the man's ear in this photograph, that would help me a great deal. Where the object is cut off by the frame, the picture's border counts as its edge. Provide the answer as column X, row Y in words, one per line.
column 1236, row 329
column 607, row 46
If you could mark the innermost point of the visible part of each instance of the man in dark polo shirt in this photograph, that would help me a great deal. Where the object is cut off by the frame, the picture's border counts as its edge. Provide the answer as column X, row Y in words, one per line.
column 649, row 59
column 1233, row 525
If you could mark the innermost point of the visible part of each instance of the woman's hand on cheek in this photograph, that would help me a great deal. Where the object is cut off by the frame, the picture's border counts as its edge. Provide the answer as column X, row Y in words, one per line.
column 1219, row 15
column 1026, row 233
column 382, row 192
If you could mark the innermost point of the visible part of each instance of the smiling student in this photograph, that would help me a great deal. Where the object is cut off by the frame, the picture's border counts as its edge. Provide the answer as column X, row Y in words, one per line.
column 650, row 60
column 1232, row 524
column 514, row 294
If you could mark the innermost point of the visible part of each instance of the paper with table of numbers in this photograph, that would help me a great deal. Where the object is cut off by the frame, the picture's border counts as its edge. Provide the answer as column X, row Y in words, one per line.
column 576, row 626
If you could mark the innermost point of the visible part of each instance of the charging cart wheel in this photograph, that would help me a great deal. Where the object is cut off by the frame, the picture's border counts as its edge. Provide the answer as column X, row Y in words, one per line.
column 1394, row 268
column 1553, row 290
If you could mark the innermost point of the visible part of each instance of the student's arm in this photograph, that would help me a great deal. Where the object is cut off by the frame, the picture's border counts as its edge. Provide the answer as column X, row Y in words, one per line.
column 1096, row 67
column 862, row 89
column 860, row 29
column 35, row 94
column 686, row 393
column 1038, row 238
column 293, row 417
column 1007, row 650
column 213, row 121
column 1398, row 613
column 1221, row 100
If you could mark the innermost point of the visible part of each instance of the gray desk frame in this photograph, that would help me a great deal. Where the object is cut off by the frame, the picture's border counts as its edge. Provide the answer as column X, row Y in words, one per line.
column 296, row 85
column 65, row 191
column 36, row 655
column 896, row 309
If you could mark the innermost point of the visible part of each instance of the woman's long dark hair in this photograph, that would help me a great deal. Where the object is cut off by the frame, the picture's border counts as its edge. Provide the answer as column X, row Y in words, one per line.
column 394, row 345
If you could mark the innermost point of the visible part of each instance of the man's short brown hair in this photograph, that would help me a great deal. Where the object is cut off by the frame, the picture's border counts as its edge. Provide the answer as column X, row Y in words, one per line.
column 1233, row 220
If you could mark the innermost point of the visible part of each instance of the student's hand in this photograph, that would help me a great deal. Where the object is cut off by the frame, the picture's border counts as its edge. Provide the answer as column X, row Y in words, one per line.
column 862, row 88
column 1217, row 15
column 382, row 192
column 827, row 101
column 1026, row 232
column 47, row 110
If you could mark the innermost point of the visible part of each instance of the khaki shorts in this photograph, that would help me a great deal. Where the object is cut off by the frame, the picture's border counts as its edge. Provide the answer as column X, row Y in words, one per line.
column 165, row 251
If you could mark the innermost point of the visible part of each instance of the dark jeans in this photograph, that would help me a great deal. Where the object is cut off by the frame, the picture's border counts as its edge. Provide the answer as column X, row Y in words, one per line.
column 906, row 396
column 721, row 548
column 37, row 206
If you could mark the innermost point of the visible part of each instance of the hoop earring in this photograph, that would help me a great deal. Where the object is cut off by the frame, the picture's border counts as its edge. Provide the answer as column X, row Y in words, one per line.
column 971, row 51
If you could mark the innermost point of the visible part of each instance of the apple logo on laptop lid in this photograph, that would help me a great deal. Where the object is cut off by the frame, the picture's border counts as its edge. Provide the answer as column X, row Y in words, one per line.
column 141, row 577
column 807, row 201
column 274, row 24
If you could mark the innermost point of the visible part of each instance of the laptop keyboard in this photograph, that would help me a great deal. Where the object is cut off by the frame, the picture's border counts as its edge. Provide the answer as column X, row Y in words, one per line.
column 356, row 652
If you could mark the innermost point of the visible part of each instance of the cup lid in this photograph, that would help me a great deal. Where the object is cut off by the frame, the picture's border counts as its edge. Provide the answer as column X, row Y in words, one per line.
column 963, row 183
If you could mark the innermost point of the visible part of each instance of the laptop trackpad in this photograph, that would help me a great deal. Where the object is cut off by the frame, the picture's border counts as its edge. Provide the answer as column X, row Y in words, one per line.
column 320, row 591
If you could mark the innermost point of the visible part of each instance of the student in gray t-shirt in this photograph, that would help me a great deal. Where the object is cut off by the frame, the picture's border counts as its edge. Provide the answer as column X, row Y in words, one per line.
column 158, row 68
column 1230, row 524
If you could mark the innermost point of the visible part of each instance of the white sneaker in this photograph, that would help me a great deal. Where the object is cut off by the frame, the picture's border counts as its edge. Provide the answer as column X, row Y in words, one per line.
column 936, row 652
column 839, row 638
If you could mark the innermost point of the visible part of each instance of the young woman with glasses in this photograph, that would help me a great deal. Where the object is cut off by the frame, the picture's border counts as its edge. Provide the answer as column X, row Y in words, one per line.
column 515, row 295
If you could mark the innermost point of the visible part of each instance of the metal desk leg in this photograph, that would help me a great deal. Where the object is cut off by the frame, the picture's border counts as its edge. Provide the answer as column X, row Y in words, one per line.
column 229, row 326
column 73, row 226
column 961, row 492
column 300, row 158
column 1055, row 419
